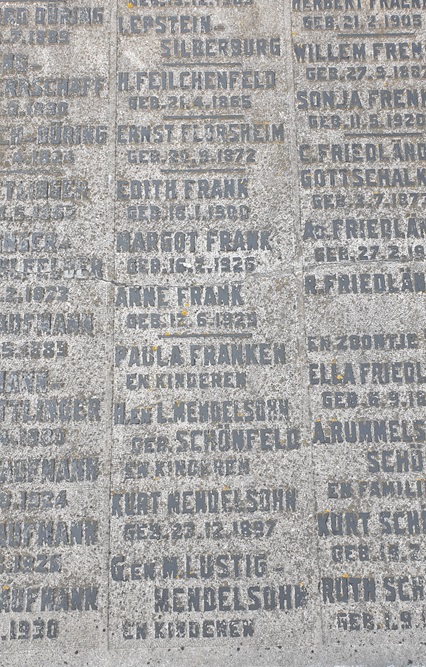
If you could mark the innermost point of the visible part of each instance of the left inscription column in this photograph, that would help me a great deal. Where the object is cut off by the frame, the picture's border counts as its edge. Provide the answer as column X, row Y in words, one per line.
column 54, row 245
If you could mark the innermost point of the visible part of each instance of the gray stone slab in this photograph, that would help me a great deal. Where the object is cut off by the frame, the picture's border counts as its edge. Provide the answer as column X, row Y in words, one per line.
column 213, row 403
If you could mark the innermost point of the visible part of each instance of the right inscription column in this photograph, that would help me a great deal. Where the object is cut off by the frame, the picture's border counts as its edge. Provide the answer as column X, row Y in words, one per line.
column 359, row 69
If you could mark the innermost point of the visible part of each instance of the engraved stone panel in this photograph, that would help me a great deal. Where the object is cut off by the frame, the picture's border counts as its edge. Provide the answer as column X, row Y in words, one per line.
column 213, row 367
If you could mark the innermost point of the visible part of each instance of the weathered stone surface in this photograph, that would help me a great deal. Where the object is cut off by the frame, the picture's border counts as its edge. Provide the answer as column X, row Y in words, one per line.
column 212, row 333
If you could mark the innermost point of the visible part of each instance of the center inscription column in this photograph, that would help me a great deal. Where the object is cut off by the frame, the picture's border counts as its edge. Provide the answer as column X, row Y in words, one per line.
column 209, row 537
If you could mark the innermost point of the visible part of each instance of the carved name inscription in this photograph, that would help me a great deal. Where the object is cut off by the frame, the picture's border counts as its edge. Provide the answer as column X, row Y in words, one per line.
column 213, row 369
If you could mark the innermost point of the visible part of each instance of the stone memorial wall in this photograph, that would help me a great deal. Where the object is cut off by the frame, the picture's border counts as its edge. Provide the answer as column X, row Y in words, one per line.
column 213, row 333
